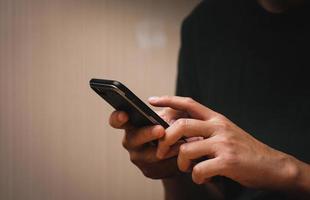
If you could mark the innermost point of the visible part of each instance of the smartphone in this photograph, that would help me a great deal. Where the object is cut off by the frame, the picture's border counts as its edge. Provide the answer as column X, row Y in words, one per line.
column 121, row 98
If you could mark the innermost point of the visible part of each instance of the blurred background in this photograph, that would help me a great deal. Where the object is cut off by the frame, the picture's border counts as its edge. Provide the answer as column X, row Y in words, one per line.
column 55, row 142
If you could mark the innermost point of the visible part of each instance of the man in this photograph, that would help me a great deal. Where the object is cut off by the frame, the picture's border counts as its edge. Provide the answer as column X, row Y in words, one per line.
column 244, row 61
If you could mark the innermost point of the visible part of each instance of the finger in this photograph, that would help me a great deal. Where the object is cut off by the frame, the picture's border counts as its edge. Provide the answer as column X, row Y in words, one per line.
column 136, row 138
column 193, row 108
column 184, row 127
column 170, row 115
column 205, row 170
column 163, row 114
column 119, row 119
column 192, row 151
column 174, row 150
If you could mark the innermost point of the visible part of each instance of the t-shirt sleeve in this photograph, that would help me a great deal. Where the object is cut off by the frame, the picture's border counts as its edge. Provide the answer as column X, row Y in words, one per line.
column 186, row 81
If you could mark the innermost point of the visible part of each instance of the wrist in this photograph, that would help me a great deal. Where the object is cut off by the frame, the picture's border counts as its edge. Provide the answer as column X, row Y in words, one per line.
column 302, row 180
column 291, row 172
column 297, row 174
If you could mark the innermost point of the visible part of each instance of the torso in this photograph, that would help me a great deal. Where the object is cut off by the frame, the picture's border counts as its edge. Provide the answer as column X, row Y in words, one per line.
column 252, row 67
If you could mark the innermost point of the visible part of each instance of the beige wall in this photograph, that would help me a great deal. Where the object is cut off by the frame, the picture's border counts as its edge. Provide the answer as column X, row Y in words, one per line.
column 54, row 139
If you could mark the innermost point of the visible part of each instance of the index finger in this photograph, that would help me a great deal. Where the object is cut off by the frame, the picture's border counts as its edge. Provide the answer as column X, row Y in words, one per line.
column 185, row 104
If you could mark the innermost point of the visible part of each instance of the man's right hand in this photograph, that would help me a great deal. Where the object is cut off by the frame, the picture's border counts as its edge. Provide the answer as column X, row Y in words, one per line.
column 141, row 152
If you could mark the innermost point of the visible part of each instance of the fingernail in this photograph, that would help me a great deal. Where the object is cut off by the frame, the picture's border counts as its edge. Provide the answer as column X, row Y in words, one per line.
column 153, row 98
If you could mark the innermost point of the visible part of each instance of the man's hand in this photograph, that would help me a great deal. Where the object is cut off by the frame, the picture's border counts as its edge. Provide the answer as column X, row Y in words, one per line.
column 230, row 151
column 141, row 152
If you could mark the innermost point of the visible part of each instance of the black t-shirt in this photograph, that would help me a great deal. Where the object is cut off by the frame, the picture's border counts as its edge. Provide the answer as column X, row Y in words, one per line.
column 251, row 66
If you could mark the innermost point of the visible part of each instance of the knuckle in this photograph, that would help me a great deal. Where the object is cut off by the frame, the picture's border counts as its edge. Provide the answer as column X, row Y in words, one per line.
column 182, row 123
column 227, row 141
column 189, row 100
column 184, row 149
column 221, row 117
column 229, row 152
column 229, row 159
column 220, row 123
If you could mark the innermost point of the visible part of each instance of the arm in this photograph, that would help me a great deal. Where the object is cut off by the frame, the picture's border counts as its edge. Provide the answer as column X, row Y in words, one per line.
column 231, row 152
